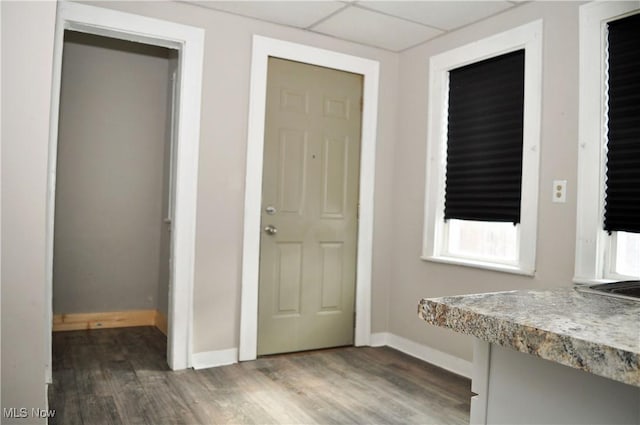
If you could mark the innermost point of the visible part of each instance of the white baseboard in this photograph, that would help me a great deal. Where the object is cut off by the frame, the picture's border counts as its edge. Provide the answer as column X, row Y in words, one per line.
column 430, row 355
column 209, row 359
column 379, row 339
column 438, row 358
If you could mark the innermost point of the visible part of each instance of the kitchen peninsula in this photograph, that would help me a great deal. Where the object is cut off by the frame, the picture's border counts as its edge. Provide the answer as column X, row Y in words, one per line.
column 548, row 356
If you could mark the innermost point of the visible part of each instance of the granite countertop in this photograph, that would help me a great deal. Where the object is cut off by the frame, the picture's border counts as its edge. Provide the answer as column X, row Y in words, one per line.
column 591, row 332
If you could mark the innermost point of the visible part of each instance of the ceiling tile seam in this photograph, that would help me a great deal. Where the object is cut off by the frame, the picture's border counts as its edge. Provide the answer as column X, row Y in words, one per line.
column 360, row 6
column 373, row 46
column 330, row 15
column 515, row 4
column 420, row 43
column 237, row 14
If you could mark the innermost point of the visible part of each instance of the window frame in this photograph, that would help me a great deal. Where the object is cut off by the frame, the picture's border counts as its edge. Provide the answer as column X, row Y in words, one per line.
column 529, row 38
column 593, row 244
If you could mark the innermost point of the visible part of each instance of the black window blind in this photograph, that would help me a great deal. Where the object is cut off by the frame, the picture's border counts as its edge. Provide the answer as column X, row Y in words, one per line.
column 484, row 140
column 622, row 197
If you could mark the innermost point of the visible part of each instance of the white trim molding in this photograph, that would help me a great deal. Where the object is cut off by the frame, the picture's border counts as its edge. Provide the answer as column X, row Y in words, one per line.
column 591, row 239
column 480, row 381
column 423, row 352
column 529, row 38
column 189, row 41
column 263, row 48
column 207, row 359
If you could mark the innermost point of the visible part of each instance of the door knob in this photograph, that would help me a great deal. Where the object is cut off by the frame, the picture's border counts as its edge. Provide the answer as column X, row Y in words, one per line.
column 271, row 230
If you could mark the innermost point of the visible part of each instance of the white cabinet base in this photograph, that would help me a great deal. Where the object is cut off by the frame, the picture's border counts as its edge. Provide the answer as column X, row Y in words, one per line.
column 518, row 388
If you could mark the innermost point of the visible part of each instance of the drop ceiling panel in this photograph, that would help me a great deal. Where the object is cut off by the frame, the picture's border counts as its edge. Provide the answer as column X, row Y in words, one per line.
column 375, row 29
column 301, row 14
column 445, row 15
column 391, row 25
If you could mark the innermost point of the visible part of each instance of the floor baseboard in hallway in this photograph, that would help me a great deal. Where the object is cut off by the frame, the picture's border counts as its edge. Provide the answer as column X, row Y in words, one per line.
column 120, row 376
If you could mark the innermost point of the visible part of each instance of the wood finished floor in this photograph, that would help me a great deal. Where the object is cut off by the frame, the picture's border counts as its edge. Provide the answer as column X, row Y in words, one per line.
column 120, row 376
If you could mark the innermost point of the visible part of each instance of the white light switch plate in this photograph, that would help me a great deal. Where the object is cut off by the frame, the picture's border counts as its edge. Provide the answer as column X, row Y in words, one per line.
column 559, row 191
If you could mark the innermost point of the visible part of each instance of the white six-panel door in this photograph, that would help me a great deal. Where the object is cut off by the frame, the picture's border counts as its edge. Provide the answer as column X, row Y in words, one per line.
column 309, row 216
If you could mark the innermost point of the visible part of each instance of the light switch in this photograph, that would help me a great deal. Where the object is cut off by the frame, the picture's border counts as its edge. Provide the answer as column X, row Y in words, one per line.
column 560, row 191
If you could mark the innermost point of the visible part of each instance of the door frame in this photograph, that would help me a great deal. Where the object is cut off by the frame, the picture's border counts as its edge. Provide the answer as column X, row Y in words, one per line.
column 263, row 48
column 189, row 41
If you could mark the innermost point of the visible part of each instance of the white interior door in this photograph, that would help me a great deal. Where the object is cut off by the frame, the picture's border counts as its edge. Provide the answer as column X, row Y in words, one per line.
column 309, row 208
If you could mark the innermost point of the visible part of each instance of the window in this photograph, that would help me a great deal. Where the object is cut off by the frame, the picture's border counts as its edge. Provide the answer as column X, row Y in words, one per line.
column 482, row 159
column 608, row 225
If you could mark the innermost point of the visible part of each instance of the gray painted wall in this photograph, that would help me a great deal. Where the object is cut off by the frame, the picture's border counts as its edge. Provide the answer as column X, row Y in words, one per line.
column 27, row 53
column 110, row 176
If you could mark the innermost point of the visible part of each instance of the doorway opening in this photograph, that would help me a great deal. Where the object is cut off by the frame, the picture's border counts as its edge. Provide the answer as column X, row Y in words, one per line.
column 263, row 49
column 114, row 184
column 188, row 42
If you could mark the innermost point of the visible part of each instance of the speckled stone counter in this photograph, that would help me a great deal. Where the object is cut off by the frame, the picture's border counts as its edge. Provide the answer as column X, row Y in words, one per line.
column 590, row 332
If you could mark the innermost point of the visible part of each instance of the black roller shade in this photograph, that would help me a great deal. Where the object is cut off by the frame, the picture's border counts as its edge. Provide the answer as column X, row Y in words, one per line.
column 622, row 199
column 484, row 140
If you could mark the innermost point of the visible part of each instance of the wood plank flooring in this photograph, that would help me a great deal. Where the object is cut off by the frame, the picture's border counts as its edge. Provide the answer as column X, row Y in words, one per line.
column 120, row 376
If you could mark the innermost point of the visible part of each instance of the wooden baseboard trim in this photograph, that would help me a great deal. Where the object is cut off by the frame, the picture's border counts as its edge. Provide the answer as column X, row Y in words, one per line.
column 161, row 322
column 111, row 319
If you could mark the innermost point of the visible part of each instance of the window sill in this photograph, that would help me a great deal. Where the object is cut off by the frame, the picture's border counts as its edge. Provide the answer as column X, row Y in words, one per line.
column 578, row 280
column 505, row 268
